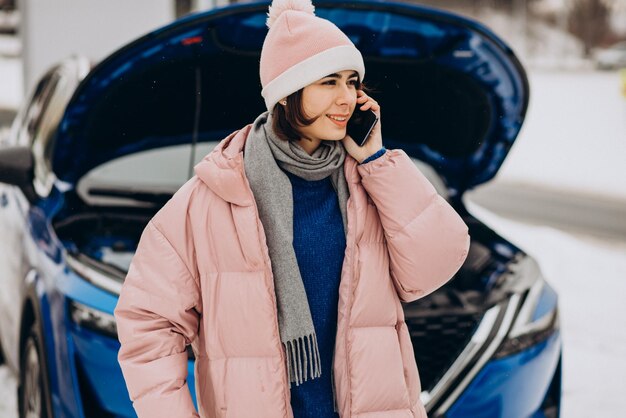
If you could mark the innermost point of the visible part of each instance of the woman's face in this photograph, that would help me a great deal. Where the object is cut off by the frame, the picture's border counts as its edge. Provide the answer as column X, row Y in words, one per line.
column 333, row 98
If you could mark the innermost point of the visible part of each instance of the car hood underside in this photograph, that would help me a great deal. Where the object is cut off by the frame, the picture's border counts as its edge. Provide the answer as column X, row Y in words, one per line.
column 452, row 94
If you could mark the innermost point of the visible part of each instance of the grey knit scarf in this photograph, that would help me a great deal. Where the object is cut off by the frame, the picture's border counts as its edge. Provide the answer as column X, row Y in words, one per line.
column 264, row 156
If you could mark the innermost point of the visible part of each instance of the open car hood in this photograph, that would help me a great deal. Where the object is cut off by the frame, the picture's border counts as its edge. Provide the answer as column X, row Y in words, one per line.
column 452, row 93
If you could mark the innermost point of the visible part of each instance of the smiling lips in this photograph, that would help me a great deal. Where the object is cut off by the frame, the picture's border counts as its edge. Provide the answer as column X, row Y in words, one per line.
column 340, row 120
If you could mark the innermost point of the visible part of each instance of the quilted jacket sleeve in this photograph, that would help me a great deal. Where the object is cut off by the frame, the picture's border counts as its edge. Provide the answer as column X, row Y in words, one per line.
column 157, row 316
column 427, row 240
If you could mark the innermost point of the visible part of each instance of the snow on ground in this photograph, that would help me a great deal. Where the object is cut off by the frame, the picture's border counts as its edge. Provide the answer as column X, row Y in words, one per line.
column 8, row 397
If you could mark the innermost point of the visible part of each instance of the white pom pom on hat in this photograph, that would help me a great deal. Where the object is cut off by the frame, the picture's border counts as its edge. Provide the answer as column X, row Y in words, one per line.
column 300, row 48
column 279, row 6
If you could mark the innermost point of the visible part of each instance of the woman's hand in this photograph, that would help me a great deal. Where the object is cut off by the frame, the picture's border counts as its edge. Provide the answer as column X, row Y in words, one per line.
column 375, row 140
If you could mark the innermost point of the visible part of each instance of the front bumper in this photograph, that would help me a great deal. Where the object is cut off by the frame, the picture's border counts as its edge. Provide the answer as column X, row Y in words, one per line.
column 99, row 380
column 513, row 386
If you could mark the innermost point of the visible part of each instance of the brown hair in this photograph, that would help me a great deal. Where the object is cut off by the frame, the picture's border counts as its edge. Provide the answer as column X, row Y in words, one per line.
column 287, row 119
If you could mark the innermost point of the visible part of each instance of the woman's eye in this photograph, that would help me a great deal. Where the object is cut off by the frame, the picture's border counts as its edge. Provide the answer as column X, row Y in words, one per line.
column 333, row 82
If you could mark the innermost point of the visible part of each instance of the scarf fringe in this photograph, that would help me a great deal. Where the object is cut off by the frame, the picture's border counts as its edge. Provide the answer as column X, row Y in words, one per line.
column 303, row 359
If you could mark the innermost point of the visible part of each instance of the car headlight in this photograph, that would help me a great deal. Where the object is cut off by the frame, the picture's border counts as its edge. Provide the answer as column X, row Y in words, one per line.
column 93, row 319
column 537, row 318
column 525, row 314
column 98, row 274
column 101, row 322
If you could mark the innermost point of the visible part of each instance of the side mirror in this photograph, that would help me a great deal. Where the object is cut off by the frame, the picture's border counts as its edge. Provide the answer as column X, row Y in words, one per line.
column 16, row 168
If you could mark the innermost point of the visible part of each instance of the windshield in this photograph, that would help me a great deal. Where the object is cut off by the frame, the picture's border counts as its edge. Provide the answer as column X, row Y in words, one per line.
column 143, row 177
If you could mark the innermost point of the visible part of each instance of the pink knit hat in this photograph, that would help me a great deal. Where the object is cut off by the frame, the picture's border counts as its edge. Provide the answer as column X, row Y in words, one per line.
column 300, row 48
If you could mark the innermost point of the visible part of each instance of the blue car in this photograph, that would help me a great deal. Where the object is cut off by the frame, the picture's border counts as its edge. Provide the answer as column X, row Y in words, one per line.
column 97, row 149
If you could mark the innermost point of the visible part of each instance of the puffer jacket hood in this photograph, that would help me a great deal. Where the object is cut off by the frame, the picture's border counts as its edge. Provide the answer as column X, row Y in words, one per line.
column 222, row 170
column 201, row 276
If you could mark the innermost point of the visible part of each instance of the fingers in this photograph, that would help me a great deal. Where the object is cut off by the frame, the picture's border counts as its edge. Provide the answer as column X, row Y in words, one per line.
column 371, row 104
column 367, row 102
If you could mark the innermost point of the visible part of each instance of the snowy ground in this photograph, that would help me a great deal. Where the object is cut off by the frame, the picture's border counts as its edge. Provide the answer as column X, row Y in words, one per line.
column 8, row 390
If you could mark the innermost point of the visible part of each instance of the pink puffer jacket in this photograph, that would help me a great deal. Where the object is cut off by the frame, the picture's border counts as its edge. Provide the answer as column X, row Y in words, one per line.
column 202, row 276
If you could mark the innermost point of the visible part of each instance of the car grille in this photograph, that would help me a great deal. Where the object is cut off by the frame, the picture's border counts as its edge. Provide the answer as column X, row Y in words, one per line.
column 437, row 342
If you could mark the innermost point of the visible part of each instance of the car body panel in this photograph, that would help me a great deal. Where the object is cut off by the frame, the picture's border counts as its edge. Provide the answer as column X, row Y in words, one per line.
column 106, row 385
column 13, row 270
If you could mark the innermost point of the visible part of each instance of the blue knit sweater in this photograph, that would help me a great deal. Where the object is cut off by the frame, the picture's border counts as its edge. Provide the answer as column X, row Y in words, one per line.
column 319, row 243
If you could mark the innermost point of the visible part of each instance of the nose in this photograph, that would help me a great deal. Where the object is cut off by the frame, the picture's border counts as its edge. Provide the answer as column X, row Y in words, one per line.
column 345, row 95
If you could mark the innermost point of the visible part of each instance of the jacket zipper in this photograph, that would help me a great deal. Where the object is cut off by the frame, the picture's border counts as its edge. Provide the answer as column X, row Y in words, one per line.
column 349, row 301
column 332, row 383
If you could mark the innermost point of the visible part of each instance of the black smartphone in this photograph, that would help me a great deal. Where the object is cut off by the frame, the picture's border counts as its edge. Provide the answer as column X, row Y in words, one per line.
column 361, row 124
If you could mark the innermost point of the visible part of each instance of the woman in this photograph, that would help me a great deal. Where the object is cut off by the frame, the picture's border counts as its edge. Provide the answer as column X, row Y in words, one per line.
column 284, row 260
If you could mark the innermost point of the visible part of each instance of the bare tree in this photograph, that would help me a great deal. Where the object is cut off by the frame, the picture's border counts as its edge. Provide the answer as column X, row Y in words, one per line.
column 589, row 21
column 7, row 4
